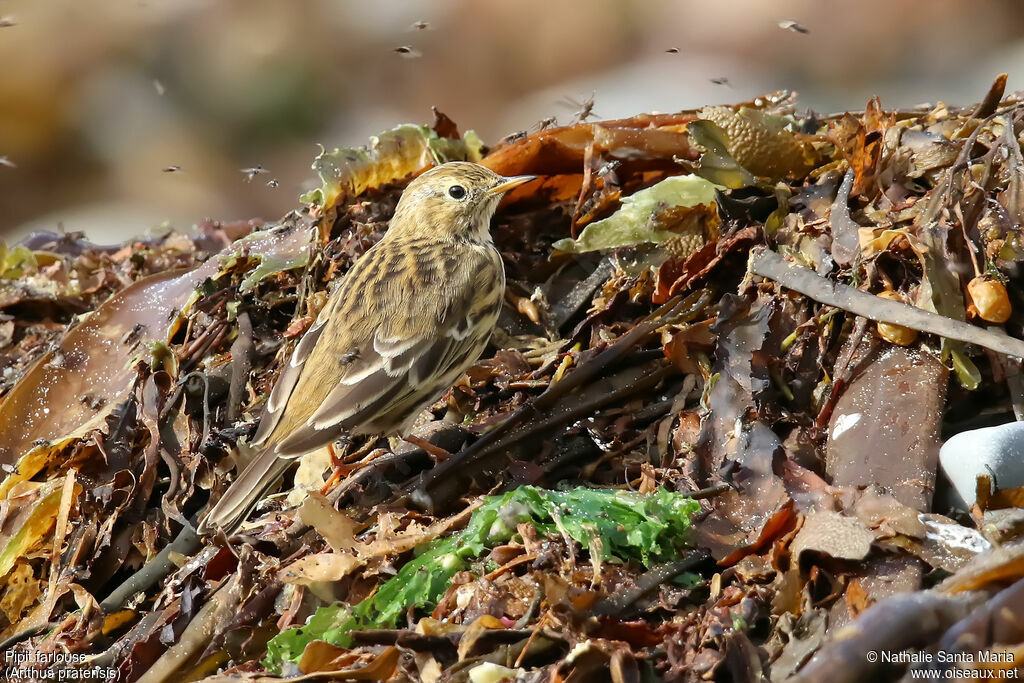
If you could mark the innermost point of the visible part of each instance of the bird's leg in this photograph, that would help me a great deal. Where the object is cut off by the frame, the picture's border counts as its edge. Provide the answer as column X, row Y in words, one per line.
column 345, row 463
column 439, row 454
column 337, row 471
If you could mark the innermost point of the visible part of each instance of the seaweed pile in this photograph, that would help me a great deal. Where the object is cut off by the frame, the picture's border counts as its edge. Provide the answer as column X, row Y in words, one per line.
column 702, row 445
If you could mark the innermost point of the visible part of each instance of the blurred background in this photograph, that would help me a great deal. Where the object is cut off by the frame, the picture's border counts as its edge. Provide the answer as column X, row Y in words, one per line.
column 117, row 118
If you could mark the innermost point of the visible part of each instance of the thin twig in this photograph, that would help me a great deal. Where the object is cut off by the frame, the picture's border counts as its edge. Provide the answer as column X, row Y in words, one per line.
column 708, row 492
column 32, row 632
column 618, row 602
column 185, row 543
column 768, row 264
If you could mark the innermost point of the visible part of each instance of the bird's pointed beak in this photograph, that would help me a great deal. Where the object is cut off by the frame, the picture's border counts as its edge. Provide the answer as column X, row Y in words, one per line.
column 507, row 184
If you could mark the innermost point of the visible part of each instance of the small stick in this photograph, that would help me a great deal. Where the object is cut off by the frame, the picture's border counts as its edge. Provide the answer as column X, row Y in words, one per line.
column 618, row 602
column 768, row 264
column 186, row 543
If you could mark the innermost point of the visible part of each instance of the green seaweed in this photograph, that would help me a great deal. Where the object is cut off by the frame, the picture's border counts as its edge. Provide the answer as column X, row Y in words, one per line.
column 617, row 525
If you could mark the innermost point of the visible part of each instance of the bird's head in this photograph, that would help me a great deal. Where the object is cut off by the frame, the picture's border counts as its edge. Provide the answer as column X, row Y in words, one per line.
column 455, row 200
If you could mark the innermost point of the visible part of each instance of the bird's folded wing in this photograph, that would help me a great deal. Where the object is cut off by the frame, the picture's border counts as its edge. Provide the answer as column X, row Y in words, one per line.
column 391, row 380
column 384, row 380
column 402, row 375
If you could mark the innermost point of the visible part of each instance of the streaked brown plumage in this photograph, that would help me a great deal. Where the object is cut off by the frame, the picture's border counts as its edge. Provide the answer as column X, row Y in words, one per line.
column 405, row 322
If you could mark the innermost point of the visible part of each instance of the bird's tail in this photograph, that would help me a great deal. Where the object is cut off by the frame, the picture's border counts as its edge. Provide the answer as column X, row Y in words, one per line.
column 261, row 474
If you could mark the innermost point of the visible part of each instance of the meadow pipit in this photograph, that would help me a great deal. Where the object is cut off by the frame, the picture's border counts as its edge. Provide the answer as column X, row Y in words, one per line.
column 405, row 322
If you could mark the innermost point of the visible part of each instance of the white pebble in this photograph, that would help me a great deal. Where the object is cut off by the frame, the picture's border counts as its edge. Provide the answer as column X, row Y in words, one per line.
column 994, row 451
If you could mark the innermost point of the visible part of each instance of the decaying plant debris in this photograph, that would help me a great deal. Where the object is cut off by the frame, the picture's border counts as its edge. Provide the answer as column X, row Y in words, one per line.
column 702, row 445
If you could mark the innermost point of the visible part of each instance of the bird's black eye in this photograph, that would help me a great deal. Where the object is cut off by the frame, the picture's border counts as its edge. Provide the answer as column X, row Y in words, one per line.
column 456, row 192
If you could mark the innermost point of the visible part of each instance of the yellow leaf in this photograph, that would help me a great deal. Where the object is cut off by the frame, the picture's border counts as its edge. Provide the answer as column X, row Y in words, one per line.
column 41, row 520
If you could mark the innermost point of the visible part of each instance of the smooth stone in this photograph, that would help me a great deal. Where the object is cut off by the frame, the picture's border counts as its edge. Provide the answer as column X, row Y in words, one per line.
column 994, row 451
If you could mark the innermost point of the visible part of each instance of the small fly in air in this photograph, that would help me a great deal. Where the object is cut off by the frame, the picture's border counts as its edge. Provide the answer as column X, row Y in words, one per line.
column 673, row 50
column 420, row 26
column 584, row 109
column 4, row 161
column 7, row 22
column 159, row 87
column 793, row 26
column 251, row 173
column 171, row 169
column 722, row 80
column 408, row 52
column 272, row 182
